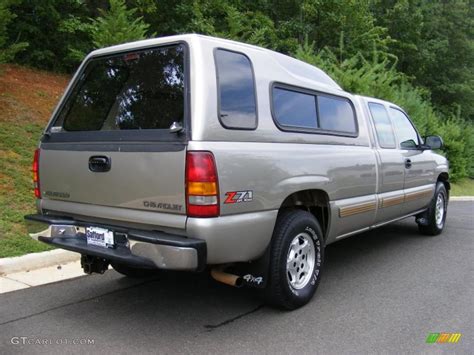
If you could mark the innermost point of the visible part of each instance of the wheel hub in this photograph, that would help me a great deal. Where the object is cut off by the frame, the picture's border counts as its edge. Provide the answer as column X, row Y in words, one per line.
column 439, row 211
column 300, row 261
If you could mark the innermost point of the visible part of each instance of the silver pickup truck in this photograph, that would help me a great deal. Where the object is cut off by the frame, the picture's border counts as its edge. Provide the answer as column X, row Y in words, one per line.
column 197, row 153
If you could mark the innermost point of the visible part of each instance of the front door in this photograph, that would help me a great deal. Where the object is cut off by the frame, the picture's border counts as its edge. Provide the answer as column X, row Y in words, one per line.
column 419, row 165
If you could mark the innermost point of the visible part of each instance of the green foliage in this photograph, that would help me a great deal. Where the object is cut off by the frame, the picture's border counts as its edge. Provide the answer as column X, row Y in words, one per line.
column 113, row 26
column 326, row 23
column 38, row 23
column 227, row 19
column 434, row 41
column 8, row 51
column 117, row 25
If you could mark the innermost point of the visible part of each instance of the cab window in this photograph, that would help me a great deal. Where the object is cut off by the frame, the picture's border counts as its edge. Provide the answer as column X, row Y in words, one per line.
column 406, row 133
column 336, row 114
column 383, row 126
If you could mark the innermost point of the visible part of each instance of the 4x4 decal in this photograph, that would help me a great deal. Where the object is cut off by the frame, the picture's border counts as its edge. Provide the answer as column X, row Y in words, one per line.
column 239, row 196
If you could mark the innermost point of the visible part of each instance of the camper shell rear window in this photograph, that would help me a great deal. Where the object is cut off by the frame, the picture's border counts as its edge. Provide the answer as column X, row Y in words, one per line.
column 135, row 94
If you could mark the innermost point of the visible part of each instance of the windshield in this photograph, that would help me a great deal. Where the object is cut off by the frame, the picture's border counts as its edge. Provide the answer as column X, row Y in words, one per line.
column 129, row 91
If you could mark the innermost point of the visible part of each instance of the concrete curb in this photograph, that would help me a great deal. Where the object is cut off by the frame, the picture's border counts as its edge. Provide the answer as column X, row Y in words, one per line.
column 36, row 261
column 461, row 198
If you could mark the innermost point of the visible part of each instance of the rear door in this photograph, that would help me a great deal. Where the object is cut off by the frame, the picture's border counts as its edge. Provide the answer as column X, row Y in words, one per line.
column 110, row 142
column 391, row 165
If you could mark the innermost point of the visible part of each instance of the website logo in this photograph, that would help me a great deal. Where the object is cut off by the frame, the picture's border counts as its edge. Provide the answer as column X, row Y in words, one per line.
column 441, row 338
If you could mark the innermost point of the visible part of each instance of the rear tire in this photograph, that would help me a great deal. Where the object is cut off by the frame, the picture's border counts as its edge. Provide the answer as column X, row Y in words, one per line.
column 436, row 213
column 134, row 272
column 296, row 259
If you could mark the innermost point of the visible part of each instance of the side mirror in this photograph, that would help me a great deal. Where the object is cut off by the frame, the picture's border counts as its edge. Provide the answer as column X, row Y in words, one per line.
column 434, row 142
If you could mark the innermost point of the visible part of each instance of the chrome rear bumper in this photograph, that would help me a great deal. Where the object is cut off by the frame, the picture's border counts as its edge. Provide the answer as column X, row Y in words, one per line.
column 134, row 247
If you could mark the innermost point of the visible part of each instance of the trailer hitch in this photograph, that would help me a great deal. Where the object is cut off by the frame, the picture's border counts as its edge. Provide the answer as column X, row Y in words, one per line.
column 91, row 264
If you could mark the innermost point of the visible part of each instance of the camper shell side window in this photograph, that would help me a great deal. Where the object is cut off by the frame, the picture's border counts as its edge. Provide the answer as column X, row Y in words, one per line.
column 302, row 110
column 237, row 101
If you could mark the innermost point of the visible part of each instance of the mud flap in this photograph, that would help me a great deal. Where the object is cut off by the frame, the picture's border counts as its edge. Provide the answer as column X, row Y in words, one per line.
column 254, row 274
column 422, row 218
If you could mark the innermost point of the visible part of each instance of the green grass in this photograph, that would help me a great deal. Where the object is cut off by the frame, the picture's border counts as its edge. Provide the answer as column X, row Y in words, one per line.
column 464, row 187
column 17, row 143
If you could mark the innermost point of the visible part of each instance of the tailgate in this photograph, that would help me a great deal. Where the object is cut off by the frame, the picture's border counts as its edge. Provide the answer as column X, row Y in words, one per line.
column 152, row 181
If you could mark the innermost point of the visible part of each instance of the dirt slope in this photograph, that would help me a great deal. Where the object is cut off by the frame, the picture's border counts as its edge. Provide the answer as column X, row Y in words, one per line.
column 27, row 99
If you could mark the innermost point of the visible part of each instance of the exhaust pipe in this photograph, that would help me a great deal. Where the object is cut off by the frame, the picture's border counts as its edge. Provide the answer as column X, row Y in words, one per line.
column 226, row 278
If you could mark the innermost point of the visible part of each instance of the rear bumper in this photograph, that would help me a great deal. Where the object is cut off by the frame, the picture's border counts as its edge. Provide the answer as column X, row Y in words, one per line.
column 133, row 247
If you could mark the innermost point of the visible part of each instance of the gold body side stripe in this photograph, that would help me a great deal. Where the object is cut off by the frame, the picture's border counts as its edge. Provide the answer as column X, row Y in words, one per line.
column 386, row 202
column 356, row 209
column 392, row 201
column 416, row 195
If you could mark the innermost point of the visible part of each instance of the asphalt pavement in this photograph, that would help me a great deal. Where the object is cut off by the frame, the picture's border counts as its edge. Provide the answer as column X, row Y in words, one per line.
column 381, row 291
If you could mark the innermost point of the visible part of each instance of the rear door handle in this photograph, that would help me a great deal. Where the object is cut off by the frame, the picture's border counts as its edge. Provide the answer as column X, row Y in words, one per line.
column 99, row 164
column 407, row 163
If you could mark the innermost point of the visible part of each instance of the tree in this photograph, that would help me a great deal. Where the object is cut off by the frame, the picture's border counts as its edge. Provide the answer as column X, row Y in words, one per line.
column 8, row 51
column 434, row 42
column 326, row 23
column 115, row 25
column 227, row 19
column 37, row 22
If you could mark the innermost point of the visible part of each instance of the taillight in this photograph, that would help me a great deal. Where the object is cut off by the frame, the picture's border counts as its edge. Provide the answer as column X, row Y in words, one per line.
column 202, row 186
column 35, row 169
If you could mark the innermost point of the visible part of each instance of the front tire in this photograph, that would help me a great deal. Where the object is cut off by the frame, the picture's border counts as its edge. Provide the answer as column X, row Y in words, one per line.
column 436, row 214
column 297, row 255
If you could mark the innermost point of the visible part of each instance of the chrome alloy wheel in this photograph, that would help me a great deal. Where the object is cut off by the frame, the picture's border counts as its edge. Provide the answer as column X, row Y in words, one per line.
column 300, row 261
column 439, row 211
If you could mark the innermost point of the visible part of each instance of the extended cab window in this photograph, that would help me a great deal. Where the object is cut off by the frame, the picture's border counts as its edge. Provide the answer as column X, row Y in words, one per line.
column 128, row 91
column 236, row 90
column 294, row 108
column 406, row 133
column 336, row 114
column 301, row 110
column 383, row 125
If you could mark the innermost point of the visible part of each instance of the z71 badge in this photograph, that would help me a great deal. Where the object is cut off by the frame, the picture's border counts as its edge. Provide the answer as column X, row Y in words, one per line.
column 239, row 196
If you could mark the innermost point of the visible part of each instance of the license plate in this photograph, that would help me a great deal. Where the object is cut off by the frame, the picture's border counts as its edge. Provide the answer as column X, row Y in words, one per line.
column 100, row 237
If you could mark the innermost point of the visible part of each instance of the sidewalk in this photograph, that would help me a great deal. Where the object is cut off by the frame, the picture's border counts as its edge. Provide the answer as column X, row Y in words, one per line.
column 38, row 268
column 24, row 279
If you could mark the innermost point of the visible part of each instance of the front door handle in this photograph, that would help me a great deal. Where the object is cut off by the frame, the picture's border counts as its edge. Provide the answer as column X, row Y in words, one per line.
column 407, row 163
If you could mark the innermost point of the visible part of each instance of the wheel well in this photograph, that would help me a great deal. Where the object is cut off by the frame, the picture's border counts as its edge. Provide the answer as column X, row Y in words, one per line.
column 444, row 178
column 314, row 201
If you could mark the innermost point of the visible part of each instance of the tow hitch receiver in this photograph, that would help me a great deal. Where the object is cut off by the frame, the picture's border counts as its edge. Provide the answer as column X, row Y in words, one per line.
column 91, row 264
